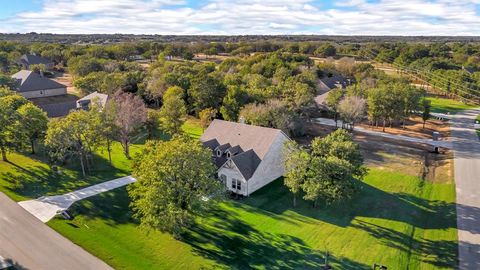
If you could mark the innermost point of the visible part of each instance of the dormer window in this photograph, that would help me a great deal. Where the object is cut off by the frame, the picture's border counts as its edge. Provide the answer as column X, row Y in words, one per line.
column 219, row 153
column 229, row 155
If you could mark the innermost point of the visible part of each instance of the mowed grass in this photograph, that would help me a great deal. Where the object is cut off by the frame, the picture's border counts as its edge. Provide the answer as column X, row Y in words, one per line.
column 444, row 105
column 28, row 176
column 396, row 220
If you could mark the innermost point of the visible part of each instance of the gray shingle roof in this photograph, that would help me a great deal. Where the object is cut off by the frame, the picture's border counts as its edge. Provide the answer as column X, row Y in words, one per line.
column 31, row 59
column 234, row 150
column 336, row 81
column 212, row 144
column 99, row 97
column 28, row 80
column 246, row 136
column 247, row 163
column 254, row 140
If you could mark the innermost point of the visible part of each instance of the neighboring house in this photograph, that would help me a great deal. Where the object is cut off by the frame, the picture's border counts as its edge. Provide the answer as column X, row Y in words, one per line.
column 99, row 98
column 334, row 81
column 326, row 84
column 34, row 85
column 31, row 59
column 247, row 157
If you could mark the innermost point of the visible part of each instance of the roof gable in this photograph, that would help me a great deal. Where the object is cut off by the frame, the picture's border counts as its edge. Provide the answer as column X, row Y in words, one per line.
column 247, row 163
column 28, row 80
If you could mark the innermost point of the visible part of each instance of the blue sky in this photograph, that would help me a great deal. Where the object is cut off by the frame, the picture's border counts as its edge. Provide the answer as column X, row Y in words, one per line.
column 237, row 17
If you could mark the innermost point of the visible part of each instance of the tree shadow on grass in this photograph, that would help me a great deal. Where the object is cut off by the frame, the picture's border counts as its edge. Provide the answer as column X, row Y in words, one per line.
column 441, row 253
column 37, row 180
column 232, row 243
column 112, row 207
column 369, row 202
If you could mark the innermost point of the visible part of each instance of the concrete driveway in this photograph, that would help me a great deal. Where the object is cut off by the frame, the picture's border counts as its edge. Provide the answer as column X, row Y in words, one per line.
column 466, row 148
column 45, row 208
column 27, row 243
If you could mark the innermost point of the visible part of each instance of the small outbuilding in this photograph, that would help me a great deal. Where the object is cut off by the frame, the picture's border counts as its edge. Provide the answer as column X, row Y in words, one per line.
column 33, row 85
column 99, row 98
column 247, row 157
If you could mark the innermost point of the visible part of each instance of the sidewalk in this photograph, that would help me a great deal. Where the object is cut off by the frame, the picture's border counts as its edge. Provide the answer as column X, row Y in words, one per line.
column 45, row 208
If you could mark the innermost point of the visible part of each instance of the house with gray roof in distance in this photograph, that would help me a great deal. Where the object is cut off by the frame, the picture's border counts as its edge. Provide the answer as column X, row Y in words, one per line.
column 31, row 59
column 328, row 83
column 334, row 81
column 99, row 98
column 247, row 157
column 34, row 85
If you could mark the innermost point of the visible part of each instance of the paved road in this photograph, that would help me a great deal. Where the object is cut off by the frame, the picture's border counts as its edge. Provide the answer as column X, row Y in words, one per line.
column 27, row 243
column 45, row 208
column 467, row 179
column 444, row 143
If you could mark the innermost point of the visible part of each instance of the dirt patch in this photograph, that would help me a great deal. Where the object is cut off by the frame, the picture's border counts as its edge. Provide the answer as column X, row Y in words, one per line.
column 66, row 79
column 393, row 155
column 438, row 167
column 414, row 128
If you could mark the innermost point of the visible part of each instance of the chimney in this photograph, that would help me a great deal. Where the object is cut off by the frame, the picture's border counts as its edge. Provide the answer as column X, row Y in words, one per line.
column 241, row 120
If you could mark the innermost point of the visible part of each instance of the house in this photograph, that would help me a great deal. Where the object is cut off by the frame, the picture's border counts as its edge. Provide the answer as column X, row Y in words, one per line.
column 31, row 59
column 247, row 157
column 34, row 85
column 99, row 98
column 335, row 81
column 325, row 85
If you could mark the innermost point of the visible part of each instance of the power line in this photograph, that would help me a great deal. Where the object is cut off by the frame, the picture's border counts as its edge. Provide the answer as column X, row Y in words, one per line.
column 430, row 76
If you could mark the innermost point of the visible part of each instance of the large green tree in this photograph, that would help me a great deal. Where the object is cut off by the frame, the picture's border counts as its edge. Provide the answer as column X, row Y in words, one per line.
column 11, row 133
column 297, row 162
column 78, row 135
column 174, row 183
column 173, row 112
column 32, row 123
column 340, row 144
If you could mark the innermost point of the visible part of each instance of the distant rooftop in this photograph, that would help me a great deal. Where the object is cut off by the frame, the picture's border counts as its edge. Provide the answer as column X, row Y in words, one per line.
column 28, row 80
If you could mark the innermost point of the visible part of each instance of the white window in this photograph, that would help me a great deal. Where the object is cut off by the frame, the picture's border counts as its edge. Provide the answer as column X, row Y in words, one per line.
column 223, row 178
column 229, row 155
column 236, row 184
column 219, row 153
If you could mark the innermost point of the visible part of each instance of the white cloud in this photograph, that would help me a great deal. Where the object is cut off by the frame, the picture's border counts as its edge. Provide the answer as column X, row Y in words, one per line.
column 346, row 17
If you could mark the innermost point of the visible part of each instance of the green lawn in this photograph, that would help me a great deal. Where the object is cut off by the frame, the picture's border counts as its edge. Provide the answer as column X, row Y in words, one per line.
column 396, row 220
column 28, row 176
column 443, row 105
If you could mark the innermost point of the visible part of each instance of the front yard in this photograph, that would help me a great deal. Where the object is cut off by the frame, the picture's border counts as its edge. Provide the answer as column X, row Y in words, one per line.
column 397, row 220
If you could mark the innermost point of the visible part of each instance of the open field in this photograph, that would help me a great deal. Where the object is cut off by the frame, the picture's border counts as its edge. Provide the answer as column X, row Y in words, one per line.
column 444, row 105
